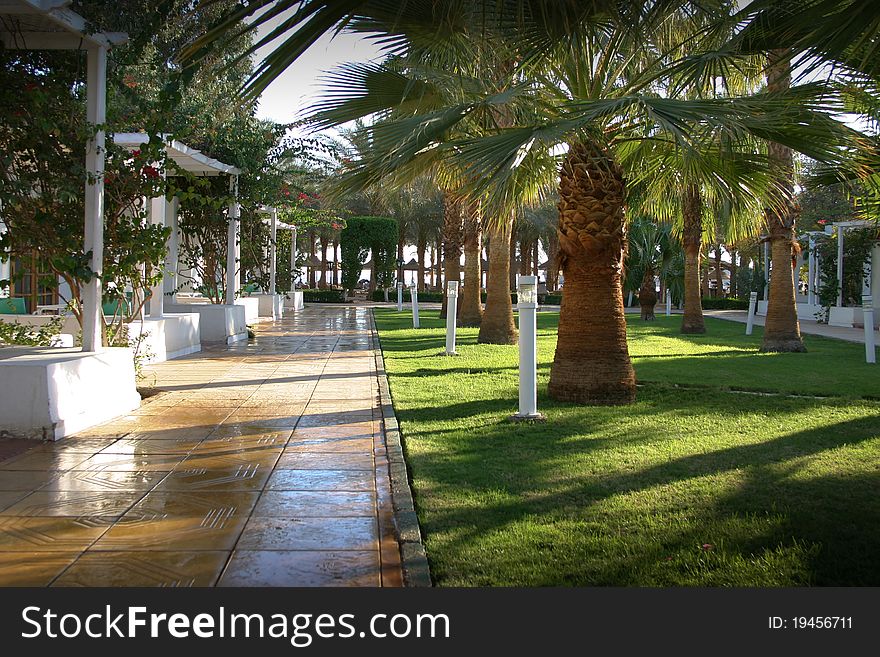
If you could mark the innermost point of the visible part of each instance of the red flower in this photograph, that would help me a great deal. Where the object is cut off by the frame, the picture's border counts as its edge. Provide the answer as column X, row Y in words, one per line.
column 302, row 196
column 135, row 153
column 822, row 222
column 287, row 192
column 708, row 546
column 151, row 172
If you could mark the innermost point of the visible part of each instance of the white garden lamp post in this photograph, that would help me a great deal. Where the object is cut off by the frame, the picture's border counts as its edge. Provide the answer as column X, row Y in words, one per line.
column 668, row 303
column 414, row 298
column 750, row 322
column 451, row 313
column 399, row 296
column 868, row 310
column 527, row 304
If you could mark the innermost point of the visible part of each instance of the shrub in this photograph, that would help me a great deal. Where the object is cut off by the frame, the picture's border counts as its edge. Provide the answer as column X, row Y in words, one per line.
column 725, row 304
column 323, row 296
column 29, row 336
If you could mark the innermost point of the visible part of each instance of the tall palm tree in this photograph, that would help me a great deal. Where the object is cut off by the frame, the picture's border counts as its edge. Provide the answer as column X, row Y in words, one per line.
column 650, row 250
column 582, row 101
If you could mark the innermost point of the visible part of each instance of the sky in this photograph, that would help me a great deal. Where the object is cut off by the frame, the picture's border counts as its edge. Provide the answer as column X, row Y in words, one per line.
column 300, row 84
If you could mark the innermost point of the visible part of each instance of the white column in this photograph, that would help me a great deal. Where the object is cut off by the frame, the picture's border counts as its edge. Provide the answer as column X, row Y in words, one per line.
column 293, row 260
column 96, row 98
column 232, row 247
column 868, row 310
column 273, row 251
column 399, row 296
column 840, row 231
column 766, row 271
column 5, row 269
column 668, row 303
column 172, row 258
column 158, row 216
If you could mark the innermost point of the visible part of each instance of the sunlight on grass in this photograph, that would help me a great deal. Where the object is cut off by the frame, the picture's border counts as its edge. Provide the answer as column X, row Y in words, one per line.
column 693, row 485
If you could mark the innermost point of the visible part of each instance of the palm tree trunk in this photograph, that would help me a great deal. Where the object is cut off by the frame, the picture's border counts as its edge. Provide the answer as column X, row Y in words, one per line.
column 512, row 263
column 719, row 277
column 453, row 227
column 524, row 256
column 421, row 246
column 734, row 269
column 592, row 364
column 692, row 240
column 648, row 296
column 552, row 261
column 470, row 312
column 497, row 326
column 782, row 332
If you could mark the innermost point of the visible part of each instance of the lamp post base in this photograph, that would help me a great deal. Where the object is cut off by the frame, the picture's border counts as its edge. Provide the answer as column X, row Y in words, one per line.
column 537, row 417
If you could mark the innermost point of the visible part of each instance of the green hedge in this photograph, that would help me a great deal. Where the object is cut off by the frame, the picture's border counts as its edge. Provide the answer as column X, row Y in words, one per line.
column 323, row 296
column 437, row 297
column 725, row 304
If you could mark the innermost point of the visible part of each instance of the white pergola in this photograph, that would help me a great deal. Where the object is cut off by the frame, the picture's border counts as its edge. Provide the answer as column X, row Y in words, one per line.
column 274, row 226
column 50, row 25
column 165, row 213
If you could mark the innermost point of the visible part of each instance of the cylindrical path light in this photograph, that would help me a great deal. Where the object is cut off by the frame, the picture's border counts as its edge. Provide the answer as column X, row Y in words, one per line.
column 399, row 296
column 451, row 313
column 414, row 297
column 527, row 304
column 868, row 310
column 668, row 303
column 750, row 321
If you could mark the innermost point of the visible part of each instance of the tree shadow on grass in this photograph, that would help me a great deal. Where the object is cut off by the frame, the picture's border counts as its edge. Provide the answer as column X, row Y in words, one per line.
column 806, row 529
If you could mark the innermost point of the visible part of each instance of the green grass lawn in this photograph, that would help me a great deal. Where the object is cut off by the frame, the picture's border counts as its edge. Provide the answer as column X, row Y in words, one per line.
column 694, row 484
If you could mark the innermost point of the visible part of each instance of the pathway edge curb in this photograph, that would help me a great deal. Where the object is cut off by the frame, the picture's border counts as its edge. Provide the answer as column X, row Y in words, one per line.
column 414, row 560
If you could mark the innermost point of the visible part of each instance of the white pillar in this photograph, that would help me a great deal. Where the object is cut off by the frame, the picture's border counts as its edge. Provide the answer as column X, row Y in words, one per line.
column 766, row 271
column 414, row 298
column 400, row 296
column 157, row 212
column 5, row 269
column 868, row 310
column 293, row 260
column 451, row 315
column 273, row 251
column 96, row 106
column 232, row 247
column 840, row 266
column 668, row 303
column 753, row 302
column 172, row 259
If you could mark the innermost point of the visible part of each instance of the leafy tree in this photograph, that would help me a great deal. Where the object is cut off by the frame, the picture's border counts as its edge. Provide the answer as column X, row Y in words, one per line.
column 361, row 237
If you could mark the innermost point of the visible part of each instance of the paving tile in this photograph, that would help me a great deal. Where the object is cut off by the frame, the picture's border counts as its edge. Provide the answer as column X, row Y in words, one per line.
column 301, row 568
column 138, row 446
column 44, row 461
column 74, row 503
column 22, row 569
column 243, row 477
column 129, row 463
column 146, row 569
column 265, row 458
column 342, row 444
column 88, row 480
column 10, row 497
column 262, row 533
column 25, row 480
column 303, row 460
column 315, row 504
column 345, row 480
column 48, row 534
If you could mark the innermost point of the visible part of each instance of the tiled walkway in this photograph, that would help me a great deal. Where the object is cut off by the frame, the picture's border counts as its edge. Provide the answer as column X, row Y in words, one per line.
column 259, row 464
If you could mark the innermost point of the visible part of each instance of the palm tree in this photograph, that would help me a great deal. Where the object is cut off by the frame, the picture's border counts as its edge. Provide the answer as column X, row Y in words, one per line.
column 581, row 99
column 651, row 249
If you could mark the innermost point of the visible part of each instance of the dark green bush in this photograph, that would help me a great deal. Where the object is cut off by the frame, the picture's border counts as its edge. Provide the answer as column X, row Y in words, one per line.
column 323, row 296
column 725, row 304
